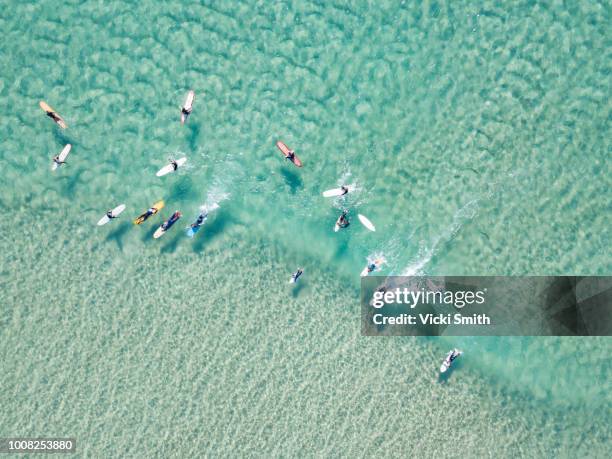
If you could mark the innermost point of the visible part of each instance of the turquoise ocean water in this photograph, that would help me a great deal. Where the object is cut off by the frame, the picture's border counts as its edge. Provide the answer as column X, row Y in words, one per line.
column 477, row 134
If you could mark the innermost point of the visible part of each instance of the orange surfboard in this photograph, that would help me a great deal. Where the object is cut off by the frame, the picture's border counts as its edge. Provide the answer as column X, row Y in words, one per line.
column 285, row 151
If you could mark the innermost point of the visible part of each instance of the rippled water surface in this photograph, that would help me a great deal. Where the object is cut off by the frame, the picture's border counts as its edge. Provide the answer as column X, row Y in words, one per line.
column 477, row 135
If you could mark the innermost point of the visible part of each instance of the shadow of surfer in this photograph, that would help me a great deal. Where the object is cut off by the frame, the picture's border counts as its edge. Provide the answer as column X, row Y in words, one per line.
column 292, row 179
column 118, row 234
column 443, row 378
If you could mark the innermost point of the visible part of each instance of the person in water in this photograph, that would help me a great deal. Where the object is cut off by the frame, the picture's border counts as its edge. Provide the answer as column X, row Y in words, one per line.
column 295, row 275
column 291, row 155
column 109, row 214
column 371, row 267
column 57, row 161
column 343, row 221
column 200, row 219
column 174, row 164
column 186, row 112
column 345, row 189
column 54, row 116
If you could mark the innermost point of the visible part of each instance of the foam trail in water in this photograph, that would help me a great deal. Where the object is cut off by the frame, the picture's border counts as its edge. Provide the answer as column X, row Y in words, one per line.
column 464, row 214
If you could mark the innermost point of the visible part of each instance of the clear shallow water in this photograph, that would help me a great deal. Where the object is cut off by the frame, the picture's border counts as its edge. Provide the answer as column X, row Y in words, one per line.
column 477, row 136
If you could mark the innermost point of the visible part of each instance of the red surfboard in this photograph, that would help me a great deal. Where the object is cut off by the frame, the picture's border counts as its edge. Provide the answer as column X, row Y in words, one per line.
column 285, row 151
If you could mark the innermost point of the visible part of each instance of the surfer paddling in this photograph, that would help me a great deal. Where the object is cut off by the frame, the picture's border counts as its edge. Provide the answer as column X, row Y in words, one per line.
column 296, row 275
column 187, row 107
column 53, row 115
column 288, row 153
column 57, row 161
column 343, row 220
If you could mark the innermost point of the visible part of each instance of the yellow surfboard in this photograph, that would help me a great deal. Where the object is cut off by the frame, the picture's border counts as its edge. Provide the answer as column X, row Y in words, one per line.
column 156, row 208
column 53, row 114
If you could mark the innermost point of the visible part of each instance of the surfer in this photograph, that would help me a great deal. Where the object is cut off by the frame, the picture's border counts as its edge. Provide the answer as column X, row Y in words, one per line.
column 187, row 107
column 200, row 219
column 371, row 267
column 150, row 211
column 290, row 155
column 452, row 355
column 174, row 164
column 109, row 214
column 54, row 116
column 295, row 275
column 57, row 161
column 343, row 221
column 345, row 189
column 171, row 221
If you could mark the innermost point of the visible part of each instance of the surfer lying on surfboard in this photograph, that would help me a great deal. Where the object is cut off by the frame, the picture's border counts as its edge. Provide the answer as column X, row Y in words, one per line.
column 187, row 107
column 53, row 115
column 57, row 161
column 343, row 220
column 296, row 275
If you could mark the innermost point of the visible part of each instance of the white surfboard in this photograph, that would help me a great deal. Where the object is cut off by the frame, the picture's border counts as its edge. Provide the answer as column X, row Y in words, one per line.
column 446, row 364
column 62, row 156
column 159, row 232
column 187, row 106
column 337, row 191
column 365, row 222
column 115, row 213
column 167, row 169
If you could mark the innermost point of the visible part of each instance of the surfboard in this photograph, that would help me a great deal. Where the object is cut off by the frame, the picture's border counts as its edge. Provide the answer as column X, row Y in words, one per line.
column 285, row 151
column 143, row 217
column 188, row 105
column 337, row 192
column 159, row 232
column 168, row 168
column 365, row 222
column 115, row 212
column 62, row 156
column 55, row 117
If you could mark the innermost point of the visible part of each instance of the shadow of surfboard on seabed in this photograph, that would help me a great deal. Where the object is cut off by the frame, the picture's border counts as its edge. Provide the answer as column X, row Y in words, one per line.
column 445, row 377
column 297, row 288
column 210, row 231
column 292, row 179
column 171, row 246
column 182, row 189
column 194, row 135
column 118, row 234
